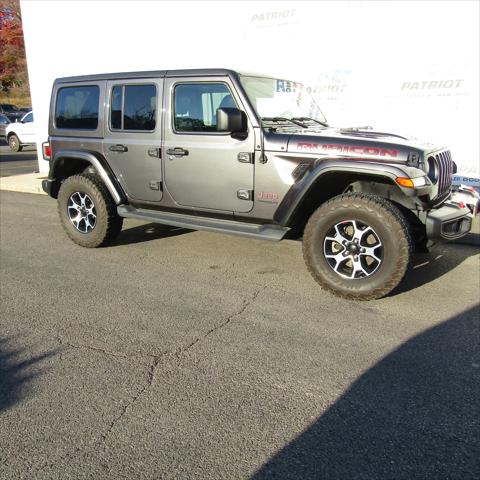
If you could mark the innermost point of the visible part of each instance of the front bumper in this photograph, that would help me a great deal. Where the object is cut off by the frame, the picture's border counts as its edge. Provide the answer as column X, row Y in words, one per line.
column 453, row 219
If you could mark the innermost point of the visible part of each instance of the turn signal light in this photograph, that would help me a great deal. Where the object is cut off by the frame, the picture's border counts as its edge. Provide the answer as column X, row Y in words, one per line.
column 405, row 182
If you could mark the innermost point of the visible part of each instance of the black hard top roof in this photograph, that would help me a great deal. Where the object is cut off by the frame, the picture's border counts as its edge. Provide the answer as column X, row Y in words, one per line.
column 152, row 74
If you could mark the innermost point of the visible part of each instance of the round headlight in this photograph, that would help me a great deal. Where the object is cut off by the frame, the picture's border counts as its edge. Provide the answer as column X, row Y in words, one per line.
column 432, row 172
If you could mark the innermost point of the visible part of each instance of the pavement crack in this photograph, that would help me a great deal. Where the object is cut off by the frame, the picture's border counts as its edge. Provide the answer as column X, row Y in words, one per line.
column 245, row 304
column 150, row 379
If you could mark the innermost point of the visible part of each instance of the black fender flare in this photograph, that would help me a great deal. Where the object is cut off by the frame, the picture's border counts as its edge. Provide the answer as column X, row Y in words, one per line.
column 297, row 193
column 100, row 165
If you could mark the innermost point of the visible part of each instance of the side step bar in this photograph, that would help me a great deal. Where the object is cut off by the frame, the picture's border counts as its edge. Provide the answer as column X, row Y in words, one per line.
column 252, row 230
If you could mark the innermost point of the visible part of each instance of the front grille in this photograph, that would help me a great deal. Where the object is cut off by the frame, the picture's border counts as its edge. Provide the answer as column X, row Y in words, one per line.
column 445, row 171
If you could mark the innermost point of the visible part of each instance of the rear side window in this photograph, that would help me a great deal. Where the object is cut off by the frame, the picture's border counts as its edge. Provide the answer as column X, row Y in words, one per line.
column 77, row 107
column 133, row 107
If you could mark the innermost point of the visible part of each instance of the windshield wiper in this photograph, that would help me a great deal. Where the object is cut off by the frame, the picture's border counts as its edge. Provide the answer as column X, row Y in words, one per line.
column 285, row 119
column 306, row 119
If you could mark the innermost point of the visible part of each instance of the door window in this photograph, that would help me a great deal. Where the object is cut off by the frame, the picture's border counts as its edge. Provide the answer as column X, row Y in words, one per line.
column 133, row 107
column 28, row 118
column 196, row 106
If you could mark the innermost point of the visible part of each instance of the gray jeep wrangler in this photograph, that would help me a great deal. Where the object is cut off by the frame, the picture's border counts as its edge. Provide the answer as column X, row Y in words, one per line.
column 249, row 155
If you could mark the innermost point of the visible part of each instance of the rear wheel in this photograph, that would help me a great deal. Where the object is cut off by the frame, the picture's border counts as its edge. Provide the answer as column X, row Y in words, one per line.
column 357, row 246
column 87, row 211
column 14, row 143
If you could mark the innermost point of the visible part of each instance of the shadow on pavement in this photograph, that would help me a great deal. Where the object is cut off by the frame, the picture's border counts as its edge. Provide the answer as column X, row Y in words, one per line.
column 427, row 267
column 147, row 232
column 415, row 414
column 15, row 374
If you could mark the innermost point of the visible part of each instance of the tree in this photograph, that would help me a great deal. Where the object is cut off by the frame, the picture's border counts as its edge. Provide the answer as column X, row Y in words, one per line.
column 13, row 64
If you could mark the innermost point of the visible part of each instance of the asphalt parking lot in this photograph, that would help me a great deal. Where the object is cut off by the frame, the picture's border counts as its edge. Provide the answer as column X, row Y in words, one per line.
column 193, row 355
column 16, row 163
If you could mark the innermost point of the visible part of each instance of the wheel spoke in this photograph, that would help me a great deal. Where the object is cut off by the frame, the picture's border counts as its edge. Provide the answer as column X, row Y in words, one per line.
column 370, row 252
column 87, row 223
column 76, row 220
column 338, row 237
column 357, row 267
column 337, row 257
column 82, row 199
column 72, row 203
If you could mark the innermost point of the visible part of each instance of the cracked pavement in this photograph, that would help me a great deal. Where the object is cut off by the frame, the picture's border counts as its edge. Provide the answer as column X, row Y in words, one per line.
column 178, row 354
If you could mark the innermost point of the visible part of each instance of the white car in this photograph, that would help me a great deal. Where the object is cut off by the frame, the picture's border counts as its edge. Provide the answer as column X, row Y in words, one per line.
column 21, row 134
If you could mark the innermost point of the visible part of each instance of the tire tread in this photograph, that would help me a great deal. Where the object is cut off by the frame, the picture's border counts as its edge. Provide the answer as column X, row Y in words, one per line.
column 371, row 203
column 107, row 208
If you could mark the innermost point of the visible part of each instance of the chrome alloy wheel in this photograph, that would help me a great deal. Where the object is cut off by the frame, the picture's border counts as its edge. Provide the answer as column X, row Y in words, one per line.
column 353, row 249
column 81, row 212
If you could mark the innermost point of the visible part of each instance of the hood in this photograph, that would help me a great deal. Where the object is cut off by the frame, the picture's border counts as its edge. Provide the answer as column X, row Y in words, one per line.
column 348, row 142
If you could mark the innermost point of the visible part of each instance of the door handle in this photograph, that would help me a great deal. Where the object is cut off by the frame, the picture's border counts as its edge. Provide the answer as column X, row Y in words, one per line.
column 177, row 152
column 118, row 148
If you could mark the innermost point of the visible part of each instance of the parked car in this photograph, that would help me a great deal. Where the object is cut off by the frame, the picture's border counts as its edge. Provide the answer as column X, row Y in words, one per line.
column 4, row 122
column 21, row 134
column 248, row 155
column 11, row 111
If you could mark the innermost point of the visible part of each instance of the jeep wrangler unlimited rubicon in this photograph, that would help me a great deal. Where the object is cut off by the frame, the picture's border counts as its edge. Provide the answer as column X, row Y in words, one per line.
column 249, row 155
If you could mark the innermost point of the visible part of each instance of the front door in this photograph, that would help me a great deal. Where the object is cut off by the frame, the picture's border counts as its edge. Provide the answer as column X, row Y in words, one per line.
column 133, row 136
column 203, row 167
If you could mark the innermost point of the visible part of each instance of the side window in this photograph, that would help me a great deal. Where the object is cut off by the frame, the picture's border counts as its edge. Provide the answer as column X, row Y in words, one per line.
column 133, row 107
column 77, row 107
column 4, row 120
column 116, row 108
column 28, row 118
column 196, row 106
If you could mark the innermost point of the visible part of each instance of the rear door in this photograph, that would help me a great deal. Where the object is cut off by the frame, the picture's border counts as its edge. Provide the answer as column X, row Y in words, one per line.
column 203, row 167
column 26, row 129
column 133, row 138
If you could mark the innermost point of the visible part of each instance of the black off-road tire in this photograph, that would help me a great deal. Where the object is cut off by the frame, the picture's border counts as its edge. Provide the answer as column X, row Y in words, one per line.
column 14, row 143
column 388, row 223
column 108, row 223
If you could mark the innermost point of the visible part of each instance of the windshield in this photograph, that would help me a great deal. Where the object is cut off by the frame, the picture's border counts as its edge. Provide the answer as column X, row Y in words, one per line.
column 8, row 107
column 272, row 98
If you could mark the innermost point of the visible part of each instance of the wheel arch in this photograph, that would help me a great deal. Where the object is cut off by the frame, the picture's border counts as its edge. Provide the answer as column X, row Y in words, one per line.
column 11, row 134
column 323, row 184
column 66, row 163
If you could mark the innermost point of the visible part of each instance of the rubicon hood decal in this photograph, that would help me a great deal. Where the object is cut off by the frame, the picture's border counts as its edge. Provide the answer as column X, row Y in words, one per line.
column 338, row 148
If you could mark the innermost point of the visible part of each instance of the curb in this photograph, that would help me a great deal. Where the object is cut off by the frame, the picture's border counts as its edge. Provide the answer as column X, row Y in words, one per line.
column 26, row 183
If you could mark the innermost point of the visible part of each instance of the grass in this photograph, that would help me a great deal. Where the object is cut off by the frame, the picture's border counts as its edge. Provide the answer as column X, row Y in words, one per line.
column 18, row 100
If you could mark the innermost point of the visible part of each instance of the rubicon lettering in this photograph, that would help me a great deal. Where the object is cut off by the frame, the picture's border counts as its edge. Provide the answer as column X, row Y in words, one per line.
column 358, row 149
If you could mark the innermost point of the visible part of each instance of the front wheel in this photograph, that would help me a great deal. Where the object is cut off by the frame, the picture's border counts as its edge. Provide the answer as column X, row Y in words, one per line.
column 357, row 246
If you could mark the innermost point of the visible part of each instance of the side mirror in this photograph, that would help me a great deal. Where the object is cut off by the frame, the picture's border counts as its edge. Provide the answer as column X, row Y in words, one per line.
column 234, row 121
